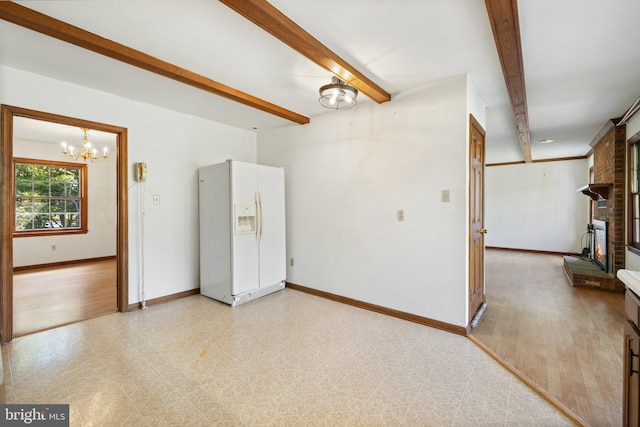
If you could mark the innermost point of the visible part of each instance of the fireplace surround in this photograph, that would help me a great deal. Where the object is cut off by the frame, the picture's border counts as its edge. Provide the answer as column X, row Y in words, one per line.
column 606, row 194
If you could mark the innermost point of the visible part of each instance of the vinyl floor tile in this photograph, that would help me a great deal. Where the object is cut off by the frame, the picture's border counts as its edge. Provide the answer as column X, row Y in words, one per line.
column 288, row 359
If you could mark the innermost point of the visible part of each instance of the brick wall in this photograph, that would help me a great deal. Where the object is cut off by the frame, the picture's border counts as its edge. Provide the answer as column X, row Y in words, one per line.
column 608, row 168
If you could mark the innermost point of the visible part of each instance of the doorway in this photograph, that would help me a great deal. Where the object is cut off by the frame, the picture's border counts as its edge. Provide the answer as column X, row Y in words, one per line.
column 7, row 213
column 566, row 341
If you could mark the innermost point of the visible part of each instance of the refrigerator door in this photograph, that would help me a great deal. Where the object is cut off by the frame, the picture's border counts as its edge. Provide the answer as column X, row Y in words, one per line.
column 244, row 245
column 215, row 235
column 272, row 227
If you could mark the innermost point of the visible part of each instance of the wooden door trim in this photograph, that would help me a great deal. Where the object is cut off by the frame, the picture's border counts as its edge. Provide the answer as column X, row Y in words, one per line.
column 6, row 228
column 7, row 211
column 473, row 122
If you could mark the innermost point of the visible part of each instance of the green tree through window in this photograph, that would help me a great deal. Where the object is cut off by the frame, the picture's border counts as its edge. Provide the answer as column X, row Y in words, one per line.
column 50, row 197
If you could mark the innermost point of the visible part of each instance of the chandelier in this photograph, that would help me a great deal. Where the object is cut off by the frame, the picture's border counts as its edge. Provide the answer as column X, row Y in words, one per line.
column 87, row 153
column 338, row 95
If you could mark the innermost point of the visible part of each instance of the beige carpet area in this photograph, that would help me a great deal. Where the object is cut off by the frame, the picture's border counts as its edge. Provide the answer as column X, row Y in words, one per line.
column 287, row 359
column 567, row 340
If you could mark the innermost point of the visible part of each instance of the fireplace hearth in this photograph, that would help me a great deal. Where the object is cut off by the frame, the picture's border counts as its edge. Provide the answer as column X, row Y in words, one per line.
column 592, row 269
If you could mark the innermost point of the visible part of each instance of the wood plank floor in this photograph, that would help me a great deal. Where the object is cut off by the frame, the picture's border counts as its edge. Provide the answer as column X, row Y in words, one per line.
column 45, row 298
column 567, row 340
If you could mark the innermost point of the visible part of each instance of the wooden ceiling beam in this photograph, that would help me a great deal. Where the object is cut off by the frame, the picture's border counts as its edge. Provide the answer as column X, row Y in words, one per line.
column 503, row 15
column 270, row 19
column 44, row 24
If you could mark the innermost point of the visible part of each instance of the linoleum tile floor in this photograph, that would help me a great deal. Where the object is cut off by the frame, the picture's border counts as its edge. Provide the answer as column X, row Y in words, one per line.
column 287, row 359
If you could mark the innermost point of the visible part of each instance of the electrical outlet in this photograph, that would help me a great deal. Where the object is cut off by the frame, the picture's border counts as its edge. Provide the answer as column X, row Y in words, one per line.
column 445, row 195
column 401, row 215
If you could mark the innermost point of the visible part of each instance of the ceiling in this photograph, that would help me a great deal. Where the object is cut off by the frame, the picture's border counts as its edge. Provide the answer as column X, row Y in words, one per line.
column 41, row 131
column 580, row 59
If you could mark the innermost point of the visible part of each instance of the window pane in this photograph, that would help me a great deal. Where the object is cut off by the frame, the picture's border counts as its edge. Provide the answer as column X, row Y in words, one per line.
column 24, row 187
column 24, row 222
column 41, row 221
column 24, row 205
column 58, row 174
column 73, row 190
column 57, row 205
column 55, row 221
column 72, row 206
column 41, row 205
column 57, row 189
column 73, row 220
column 40, row 173
column 635, row 218
column 634, row 168
column 73, row 175
column 41, row 188
column 24, row 172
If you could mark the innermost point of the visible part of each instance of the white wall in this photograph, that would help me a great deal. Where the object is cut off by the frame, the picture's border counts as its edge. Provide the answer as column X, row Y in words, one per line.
column 348, row 172
column 535, row 206
column 475, row 105
column 172, row 144
column 632, row 261
column 100, row 241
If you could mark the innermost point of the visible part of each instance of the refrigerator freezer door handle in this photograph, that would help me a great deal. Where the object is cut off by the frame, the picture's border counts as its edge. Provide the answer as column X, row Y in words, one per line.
column 261, row 217
column 258, row 218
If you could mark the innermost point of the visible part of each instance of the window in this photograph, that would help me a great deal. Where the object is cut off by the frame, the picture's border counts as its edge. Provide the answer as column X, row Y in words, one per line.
column 51, row 197
column 634, row 193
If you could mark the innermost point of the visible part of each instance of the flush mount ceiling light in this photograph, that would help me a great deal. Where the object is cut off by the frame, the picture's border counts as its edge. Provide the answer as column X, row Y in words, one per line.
column 545, row 141
column 338, row 95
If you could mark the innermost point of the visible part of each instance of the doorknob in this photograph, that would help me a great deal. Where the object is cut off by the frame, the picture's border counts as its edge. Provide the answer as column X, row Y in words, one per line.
column 483, row 231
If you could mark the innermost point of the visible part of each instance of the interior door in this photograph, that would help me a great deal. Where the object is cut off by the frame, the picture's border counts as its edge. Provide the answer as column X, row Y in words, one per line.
column 476, row 216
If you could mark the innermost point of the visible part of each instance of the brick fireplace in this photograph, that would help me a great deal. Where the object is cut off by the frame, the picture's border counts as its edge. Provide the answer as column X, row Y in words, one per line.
column 608, row 188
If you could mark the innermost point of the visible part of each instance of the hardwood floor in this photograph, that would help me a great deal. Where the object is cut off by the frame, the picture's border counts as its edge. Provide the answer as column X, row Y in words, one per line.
column 45, row 298
column 567, row 340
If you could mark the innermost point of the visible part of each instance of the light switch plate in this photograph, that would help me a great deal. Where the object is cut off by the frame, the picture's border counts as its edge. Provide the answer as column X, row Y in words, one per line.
column 156, row 199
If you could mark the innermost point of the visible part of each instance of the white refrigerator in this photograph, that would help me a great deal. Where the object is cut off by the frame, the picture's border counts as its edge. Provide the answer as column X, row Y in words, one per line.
column 242, row 231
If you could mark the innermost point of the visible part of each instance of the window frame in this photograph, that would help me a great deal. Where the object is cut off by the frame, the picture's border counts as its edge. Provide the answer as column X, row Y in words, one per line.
column 633, row 146
column 83, row 197
column 592, row 203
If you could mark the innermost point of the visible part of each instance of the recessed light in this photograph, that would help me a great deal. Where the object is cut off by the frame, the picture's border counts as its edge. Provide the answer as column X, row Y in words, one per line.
column 545, row 141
